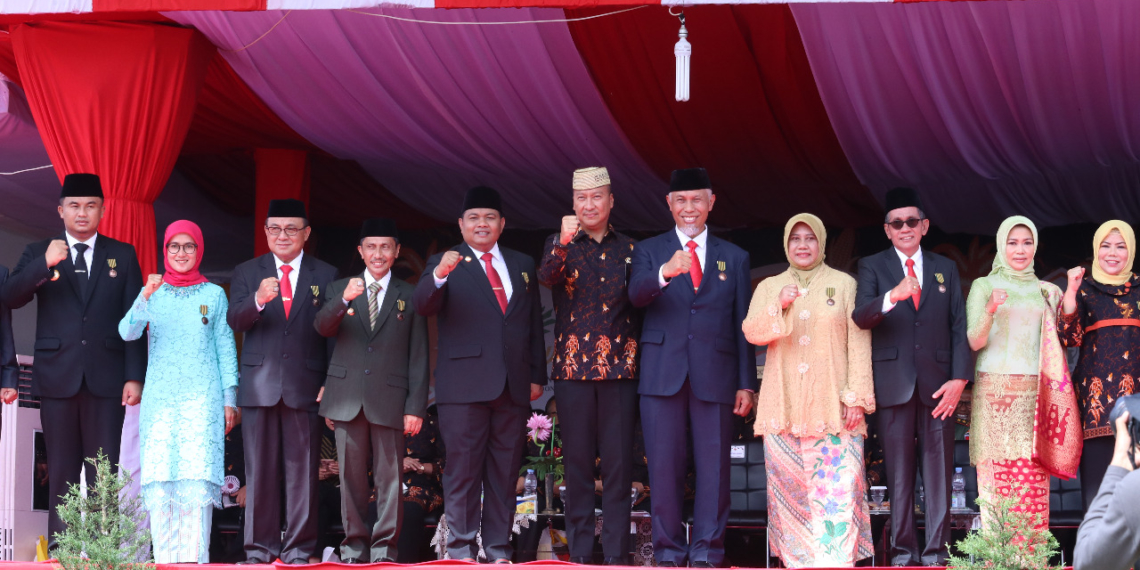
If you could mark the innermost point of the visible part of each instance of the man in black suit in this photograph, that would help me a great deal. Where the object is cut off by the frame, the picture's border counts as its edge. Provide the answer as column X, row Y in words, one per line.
column 912, row 301
column 697, row 369
column 376, row 391
column 84, row 373
column 9, row 370
column 273, row 300
column 491, row 362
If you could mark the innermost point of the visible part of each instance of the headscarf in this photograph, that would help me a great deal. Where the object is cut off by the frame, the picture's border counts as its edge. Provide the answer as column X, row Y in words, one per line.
column 1001, row 264
column 1129, row 236
column 192, row 277
column 803, row 275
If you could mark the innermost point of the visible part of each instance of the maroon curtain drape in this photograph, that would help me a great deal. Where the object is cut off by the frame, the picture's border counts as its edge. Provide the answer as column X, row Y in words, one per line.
column 114, row 99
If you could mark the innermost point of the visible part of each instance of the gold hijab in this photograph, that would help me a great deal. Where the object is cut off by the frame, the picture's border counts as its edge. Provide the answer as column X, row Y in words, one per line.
column 803, row 276
column 1129, row 236
column 1001, row 264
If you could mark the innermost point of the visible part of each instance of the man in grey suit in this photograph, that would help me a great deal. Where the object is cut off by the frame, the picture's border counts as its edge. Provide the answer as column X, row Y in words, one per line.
column 491, row 362
column 273, row 301
column 911, row 299
column 376, row 390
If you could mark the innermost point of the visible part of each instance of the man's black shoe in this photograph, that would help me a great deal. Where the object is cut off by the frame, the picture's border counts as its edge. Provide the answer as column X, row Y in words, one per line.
column 253, row 561
column 666, row 564
column 616, row 561
column 701, row 564
column 580, row 560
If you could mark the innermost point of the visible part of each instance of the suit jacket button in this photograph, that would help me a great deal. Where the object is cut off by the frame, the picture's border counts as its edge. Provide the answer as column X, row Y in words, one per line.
column 370, row 349
column 83, row 342
column 917, row 323
column 84, row 319
column 286, row 333
column 918, row 347
column 367, row 371
column 693, row 311
column 284, row 356
column 690, row 337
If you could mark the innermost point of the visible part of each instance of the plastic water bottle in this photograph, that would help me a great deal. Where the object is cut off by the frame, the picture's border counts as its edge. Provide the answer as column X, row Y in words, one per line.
column 958, row 496
column 530, row 484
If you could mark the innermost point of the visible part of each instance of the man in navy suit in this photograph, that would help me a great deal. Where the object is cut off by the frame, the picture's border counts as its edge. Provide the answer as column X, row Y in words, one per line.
column 491, row 364
column 911, row 299
column 8, row 367
column 85, row 374
column 274, row 299
column 697, row 368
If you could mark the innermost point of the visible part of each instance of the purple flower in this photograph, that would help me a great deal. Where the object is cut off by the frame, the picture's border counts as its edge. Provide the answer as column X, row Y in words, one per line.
column 540, row 427
column 823, row 450
column 820, row 474
column 835, row 461
column 835, row 477
column 830, row 507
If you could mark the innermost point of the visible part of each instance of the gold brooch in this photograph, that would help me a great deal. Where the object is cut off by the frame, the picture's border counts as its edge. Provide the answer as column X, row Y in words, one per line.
column 400, row 304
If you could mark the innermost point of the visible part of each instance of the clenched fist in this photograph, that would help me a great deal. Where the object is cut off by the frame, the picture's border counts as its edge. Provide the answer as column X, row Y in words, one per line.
column 1076, row 275
column 267, row 291
column 788, row 294
column 153, row 282
column 57, row 251
column 448, row 262
column 678, row 264
column 570, row 227
column 997, row 298
column 906, row 289
column 354, row 289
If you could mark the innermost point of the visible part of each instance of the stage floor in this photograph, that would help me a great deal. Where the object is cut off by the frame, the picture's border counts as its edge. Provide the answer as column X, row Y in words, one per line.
column 538, row 565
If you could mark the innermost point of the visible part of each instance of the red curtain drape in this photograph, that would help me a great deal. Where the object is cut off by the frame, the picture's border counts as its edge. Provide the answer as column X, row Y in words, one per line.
column 114, row 99
column 755, row 119
column 281, row 173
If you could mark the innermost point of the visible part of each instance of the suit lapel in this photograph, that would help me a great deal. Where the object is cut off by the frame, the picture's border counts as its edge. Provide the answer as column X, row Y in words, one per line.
column 707, row 272
column 98, row 260
column 929, row 283
column 475, row 268
column 67, row 271
column 301, row 284
column 390, row 297
column 360, row 306
column 518, row 284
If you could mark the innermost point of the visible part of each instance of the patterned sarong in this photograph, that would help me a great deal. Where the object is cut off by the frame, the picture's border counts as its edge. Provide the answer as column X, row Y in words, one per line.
column 998, row 476
column 817, row 506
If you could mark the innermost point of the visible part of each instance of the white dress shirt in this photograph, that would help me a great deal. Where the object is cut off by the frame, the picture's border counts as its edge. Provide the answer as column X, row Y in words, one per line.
column 887, row 304
column 496, row 261
column 701, row 239
column 295, row 264
column 88, row 255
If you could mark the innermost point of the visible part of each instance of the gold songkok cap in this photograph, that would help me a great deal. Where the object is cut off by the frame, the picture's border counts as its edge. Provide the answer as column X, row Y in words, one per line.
column 591, row 177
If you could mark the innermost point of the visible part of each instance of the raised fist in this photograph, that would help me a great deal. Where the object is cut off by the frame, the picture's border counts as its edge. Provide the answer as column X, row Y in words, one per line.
column 56, row 252
column 997, row 298
column 267, row 291
column 570, row 227
column 788, row 294
column 1073, row 282
column 678, row 264
column 448, row 262
column 153, row 282
column 906, row 289
column 354, row 289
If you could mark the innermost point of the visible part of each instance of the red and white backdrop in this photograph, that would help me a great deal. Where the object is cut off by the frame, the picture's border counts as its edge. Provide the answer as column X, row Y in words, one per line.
column 988, row 108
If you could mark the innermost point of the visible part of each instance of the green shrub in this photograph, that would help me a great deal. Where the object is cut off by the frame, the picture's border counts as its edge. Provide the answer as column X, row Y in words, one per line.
column 1008, row 539
column 102, row 528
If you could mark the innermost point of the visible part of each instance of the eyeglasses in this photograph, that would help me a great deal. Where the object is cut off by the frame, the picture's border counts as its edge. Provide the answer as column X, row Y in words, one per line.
column 276, row 231
column 909, row 222
column 173, row 248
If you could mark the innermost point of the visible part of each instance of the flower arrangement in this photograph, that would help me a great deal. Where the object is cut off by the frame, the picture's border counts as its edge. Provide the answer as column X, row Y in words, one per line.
column 543, row 431
column 1010, row 539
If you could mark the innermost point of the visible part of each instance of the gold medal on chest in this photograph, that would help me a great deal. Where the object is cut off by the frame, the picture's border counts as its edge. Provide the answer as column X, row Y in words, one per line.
column 55, row 275
column 721, row 266
column 400, row 304
column 112, row 264
column 830, row 291
column 941, row 282
column 351, row 311
column 205, row 310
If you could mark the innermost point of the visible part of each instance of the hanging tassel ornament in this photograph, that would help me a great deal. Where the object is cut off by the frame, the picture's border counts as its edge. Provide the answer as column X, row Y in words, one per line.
column 683, row 51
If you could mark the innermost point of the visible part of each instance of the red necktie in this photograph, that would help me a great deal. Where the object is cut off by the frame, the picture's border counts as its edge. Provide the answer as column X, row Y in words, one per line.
column 695, row 268
column 910, row 273
column 496, row 283
column 286, row 289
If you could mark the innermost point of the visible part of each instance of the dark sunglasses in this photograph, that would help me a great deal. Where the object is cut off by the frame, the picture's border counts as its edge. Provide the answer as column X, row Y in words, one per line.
column 910, row 223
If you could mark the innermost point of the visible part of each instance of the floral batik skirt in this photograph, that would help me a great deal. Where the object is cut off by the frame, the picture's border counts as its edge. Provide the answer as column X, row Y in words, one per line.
column 817, row 505
column 1001, row 441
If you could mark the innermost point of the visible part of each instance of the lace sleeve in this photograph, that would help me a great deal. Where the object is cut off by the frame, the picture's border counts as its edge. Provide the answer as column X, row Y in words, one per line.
column 978, row 320
column 767, row 322
column 226, row 350
column 860, row 387
column 133, row 324
column 1071, row 328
